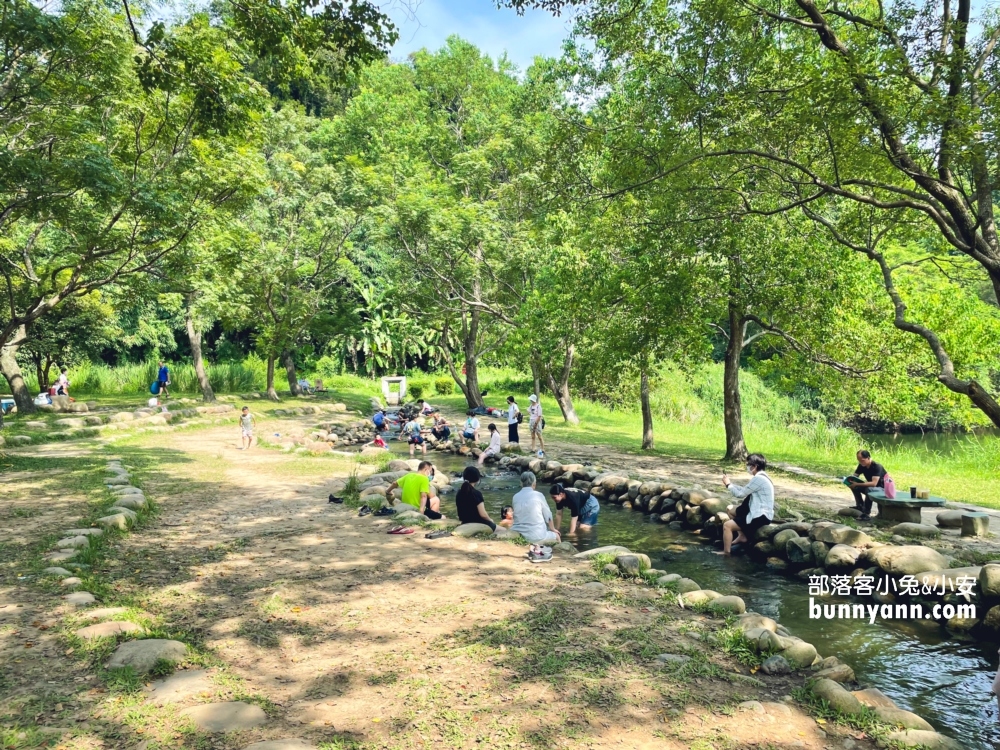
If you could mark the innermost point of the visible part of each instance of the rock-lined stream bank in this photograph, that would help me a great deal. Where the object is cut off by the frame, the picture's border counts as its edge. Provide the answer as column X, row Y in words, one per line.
column 942, row 675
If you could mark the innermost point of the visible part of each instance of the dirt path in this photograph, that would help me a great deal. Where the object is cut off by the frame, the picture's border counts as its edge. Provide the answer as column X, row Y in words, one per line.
column 350, row 638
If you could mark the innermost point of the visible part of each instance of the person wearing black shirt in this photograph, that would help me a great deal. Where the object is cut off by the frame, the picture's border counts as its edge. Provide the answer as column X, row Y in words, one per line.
column 469, row 500
column 583, row 507
column 874, row 474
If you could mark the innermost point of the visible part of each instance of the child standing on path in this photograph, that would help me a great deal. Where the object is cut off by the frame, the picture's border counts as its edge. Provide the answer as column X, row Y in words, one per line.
column 513, row 419
column 247, row 423
column 163, row 378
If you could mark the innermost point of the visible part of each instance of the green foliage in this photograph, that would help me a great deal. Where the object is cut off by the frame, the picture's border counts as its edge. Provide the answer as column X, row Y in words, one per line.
column 444, row 386
column 228, row 377
column 414, row 390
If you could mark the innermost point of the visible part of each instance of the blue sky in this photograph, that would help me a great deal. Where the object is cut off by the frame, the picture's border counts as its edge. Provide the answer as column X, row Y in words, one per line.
column 494, row 31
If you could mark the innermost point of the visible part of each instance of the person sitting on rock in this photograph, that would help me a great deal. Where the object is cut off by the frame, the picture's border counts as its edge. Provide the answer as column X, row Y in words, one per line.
column 471, row 429
column 415, row 490
column 583, row 507
column 427, row 409
column 440, row 430
column 532, row 516
column 506, row 516
column 62, row 384
column 757, row 508
column 469, row 500
column 494, row 447
column 874, row 474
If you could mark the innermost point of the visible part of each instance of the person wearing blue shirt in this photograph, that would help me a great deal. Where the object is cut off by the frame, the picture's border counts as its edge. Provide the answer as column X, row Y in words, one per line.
column 379, row 420
column 163, row 378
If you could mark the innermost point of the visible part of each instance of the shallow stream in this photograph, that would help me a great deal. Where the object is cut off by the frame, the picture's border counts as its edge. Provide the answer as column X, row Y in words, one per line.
column 944, row 680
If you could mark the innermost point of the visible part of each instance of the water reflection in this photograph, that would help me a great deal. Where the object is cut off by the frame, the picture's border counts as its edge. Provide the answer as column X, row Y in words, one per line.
column 945, row 681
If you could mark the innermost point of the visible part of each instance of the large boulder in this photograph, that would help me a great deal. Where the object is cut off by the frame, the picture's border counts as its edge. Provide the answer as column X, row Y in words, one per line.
column 471, row 529
column 509, row 535
column 842, row 557
column 948, row 580
column 142, row 656
column 908, row 560
column 608, row 550
column 632, row 564
column 782, row 538
column 701, row 596
column 839, row 699
column 897, row 717
column 799, row 551
column 728, row 605
column 800, row 655
column 989, row 581
column 950, row 519
column 686, row 585
column 920, row 530
column 838, row 534
column 917, row 738
column 752, row 620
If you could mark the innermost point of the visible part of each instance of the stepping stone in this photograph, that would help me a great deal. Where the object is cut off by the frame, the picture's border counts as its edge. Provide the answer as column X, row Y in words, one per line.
column 61, row 555
column 73, row 541
column 950, row 519
column 80, row 598
column 134, row 502
column 143, row 655
column 107, row 629
column 71, row 581
column 613, row 550
column 289, row 744
column 126, row 491
column 102, row 612
column 57, row 572
column 117, row 521
column 84, row 532
column 225, row 717
column 181, row 686
column 119, row 480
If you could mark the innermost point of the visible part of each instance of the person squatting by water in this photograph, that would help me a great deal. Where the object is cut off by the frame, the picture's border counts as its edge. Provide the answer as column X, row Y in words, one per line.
column 583, row 507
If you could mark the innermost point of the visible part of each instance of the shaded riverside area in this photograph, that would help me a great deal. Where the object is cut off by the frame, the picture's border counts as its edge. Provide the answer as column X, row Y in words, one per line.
column 270, row 613
column 502, row 373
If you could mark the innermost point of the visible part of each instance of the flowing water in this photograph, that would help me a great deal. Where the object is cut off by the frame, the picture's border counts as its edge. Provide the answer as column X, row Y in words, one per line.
column 946, row 681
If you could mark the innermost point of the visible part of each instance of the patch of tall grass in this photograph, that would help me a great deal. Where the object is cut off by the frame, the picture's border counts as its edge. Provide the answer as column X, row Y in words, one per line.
column 131, row 379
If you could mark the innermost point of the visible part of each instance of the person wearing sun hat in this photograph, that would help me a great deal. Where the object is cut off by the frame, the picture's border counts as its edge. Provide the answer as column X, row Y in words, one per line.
column 535, row 424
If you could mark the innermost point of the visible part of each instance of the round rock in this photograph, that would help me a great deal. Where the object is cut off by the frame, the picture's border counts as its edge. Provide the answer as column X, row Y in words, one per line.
column 181, row 686
column 107, row 629
column 80, row 598
column 950, row 519
column 143, row 655
column 921, row 530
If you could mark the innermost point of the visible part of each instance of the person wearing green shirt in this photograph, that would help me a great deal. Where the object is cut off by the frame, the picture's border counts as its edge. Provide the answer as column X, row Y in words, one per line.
column 416, row 490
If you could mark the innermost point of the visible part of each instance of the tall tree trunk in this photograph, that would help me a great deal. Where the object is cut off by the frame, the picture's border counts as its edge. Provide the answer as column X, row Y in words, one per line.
column 560, row 388
column 473, row 395
column 647, row 412
column 736, row 449
column 12, row 372
column 194, row 337
column 293, row 378
column 469, row 383
column 40, row 375
column 536, row 373
column 271, row 393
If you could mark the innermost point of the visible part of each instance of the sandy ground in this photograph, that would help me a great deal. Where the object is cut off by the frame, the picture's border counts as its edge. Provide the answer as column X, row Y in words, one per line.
column 351, row 638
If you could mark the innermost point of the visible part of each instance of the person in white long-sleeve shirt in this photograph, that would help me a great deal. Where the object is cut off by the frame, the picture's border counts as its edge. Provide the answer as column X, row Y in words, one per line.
column 532, row 515
column 757, row 508
column 494, row 447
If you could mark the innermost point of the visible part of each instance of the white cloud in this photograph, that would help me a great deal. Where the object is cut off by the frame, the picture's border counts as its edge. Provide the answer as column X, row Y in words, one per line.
column 494, row 31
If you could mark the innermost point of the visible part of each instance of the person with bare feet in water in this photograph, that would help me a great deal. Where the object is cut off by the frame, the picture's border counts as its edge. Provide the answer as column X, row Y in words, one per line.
column 757, row 508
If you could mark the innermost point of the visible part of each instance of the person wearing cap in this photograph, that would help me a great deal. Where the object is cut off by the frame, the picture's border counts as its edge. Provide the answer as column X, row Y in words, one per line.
column 583, row 507
column 469, row 500
column 535, row 424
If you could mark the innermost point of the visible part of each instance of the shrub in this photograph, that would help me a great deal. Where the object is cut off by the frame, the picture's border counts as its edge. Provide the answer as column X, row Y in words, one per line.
column 444, row 386
column 415, row 391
